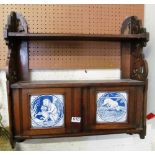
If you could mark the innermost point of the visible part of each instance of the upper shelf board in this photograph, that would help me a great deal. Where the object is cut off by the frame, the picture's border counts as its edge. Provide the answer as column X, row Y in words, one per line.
column 77, row 37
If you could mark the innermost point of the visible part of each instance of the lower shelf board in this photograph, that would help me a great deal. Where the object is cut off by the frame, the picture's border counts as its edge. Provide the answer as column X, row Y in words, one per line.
column 130, row 131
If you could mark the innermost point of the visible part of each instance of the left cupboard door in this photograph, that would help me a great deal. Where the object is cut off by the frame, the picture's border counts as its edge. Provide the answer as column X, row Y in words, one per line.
column 44, row 112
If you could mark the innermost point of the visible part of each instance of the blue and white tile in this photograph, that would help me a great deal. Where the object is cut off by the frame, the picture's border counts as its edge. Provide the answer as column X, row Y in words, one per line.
column 47, row 111
column 111, row 106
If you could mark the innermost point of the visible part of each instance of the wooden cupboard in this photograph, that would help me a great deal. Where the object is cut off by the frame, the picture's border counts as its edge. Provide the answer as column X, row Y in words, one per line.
column 40, row 109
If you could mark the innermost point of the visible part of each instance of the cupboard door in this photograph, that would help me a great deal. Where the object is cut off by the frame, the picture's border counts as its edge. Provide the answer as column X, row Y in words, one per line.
column 112, row 108
column 46, row 111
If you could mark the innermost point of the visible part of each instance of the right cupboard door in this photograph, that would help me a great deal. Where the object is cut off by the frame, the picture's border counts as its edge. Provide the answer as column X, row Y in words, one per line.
column 115, row 108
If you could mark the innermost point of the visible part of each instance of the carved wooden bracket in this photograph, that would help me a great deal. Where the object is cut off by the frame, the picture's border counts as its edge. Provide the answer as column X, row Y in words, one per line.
column 15, row 23
column 140, row 66
column 139, row 69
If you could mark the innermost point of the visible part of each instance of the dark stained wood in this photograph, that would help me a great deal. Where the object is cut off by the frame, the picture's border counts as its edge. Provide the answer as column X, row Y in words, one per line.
column 85, row 109
column 139, row 99
column 77, row 83
column 144, row 109
column 12, row 71
column 23, row 62
column 139, row 68
column 78, row 37
column 15, row 23
column 17, row 111
column 137, row 64
column 125, row 60
column 85, row 133
column 80, row 96
column 76, row 109
column 72, row 108
column 18, row 50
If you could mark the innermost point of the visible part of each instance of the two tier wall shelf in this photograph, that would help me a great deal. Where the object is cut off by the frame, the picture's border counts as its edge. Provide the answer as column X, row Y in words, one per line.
column 40, row 109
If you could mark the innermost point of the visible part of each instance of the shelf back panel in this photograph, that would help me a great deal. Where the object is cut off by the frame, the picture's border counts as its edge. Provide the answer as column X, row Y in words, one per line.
column 82, row 19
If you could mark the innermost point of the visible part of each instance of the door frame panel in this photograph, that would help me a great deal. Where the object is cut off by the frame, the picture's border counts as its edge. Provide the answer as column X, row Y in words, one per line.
column 131, row 109
column 26, row 116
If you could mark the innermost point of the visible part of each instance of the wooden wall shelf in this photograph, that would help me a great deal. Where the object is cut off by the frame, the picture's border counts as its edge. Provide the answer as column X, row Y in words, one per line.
column 81, row 107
